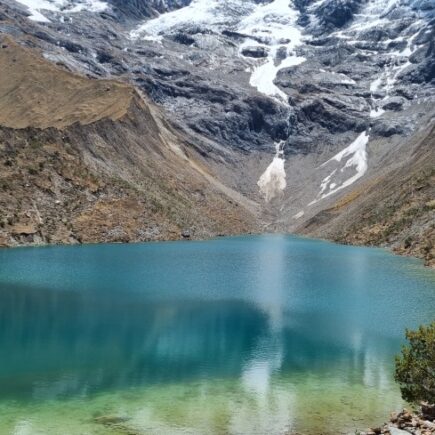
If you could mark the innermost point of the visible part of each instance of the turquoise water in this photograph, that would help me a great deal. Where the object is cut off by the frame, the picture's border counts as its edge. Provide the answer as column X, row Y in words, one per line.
column 249, row 335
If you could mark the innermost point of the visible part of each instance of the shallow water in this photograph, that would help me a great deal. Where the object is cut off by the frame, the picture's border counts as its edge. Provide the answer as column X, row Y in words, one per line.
column 248, row 335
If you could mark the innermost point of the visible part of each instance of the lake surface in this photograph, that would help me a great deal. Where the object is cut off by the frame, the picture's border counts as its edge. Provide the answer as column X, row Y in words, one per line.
column 248, row 335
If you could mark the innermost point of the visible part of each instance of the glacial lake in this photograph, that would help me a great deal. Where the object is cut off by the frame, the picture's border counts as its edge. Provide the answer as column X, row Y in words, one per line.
column 268, row 334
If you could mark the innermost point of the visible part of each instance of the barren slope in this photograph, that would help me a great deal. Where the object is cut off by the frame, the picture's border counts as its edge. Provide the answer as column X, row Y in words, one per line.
column 396, row 209
column 35, row 94
column 88, row 161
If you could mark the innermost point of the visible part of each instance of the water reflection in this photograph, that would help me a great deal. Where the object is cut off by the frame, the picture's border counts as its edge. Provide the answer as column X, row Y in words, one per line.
column 86, row 344
column 79, row 344
column 262, row 334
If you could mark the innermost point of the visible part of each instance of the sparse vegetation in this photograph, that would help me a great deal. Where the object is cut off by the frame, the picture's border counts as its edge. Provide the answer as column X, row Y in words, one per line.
column 415, row 367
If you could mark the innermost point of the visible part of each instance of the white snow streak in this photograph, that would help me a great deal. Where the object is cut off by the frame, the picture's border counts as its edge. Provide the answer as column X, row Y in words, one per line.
column 374, row 15
column 376, row 113
column 216, row 14
column 298, row 215
column 273, row 24
column 358, row 159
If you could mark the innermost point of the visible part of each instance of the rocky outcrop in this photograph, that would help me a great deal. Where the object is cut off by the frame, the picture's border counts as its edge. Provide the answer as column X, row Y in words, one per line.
column 337, row 13
column 195, row 71
column 139, row 9
column 406, row 423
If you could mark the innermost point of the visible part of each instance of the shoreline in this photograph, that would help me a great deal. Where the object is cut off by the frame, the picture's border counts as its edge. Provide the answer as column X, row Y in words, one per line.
column 406, row 422
column 192, row 238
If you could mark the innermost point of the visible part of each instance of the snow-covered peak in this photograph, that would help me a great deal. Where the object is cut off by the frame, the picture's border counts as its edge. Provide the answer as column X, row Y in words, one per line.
column 269, row 26
column 342, row 46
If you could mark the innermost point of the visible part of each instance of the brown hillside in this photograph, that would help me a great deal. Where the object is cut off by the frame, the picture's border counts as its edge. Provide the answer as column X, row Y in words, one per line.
column 396, row 209
column 35, row 93
column 86, row 160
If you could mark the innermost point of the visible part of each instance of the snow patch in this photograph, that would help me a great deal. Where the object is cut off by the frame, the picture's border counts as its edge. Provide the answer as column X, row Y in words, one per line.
column 374, row 86
column 344, row 78
column 211, row 13
column 273, row 180
column 65, row 6
column 153, row 38
column 298, row 215
column 197, row 12
column 398, row 62
column 376, row 113
column 274, row 24
column 357, row 154
column 34, row 6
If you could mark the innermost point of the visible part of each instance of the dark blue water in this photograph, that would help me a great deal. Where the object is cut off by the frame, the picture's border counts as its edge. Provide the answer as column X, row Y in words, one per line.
column 265, row 326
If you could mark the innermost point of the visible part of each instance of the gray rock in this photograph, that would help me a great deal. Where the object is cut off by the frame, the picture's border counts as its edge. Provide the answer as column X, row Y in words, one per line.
column 395, row 431
column 393, row 103
column 136, row 9
column 388, row 128
column 256, row 52
column 186, row 234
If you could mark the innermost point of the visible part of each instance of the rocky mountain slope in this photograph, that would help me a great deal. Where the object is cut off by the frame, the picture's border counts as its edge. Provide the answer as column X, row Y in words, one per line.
column 396, row 209
column 310, row 114
column 90, row 160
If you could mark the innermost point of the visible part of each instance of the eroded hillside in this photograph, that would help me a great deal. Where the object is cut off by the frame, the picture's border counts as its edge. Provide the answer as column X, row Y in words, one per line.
column 89, row 160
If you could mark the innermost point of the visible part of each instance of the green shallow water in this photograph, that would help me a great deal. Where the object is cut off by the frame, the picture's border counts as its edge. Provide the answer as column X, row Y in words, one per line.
column 248, row 335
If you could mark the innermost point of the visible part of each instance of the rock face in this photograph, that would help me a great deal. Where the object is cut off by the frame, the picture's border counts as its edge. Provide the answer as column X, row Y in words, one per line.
column 139, row 9
column 194, row 57
column 236, row 77
column 335, row 14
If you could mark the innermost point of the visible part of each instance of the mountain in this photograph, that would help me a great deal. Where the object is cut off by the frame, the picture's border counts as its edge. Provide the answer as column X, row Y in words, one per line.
column 304, row 116
column 91, row 160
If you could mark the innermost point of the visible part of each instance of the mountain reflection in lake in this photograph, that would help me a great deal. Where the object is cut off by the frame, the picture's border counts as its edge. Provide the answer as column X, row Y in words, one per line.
column 283, row 329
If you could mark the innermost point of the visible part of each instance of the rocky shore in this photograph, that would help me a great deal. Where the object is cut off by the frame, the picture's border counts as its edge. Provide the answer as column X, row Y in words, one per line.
column 407, row 423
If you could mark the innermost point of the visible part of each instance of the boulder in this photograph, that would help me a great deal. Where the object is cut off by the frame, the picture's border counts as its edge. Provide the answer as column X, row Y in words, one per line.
column 23, row 229
column 186, row 234
column 396, row 431
column 387, row 128
column 183, row 38
column 110, row 419
column 428, row 410
column 3, row 240
column 337, row 13
column 393, row 103
column 255, row 52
